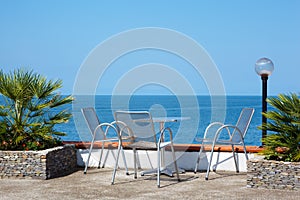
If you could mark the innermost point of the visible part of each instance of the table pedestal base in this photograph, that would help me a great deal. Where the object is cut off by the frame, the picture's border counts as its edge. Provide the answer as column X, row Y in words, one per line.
column 166, row 171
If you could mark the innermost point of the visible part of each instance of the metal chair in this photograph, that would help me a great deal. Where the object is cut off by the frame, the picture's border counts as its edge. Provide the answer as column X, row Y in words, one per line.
column 99, row 132
column 138, row 125
column 234, row 135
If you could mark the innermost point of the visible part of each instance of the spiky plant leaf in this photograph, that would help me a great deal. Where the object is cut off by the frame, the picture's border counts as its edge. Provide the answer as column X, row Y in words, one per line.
column 284, row 124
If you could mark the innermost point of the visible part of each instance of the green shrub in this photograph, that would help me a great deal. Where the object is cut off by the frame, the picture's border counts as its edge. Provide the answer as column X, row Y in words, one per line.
column 28, row 113
column 283, row 143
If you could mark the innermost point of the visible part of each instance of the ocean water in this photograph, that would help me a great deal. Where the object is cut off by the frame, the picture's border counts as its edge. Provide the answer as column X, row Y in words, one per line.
column 200, row 111
column 200, row 114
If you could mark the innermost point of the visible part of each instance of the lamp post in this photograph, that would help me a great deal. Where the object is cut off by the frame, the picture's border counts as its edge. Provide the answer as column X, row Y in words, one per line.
column 264, row 68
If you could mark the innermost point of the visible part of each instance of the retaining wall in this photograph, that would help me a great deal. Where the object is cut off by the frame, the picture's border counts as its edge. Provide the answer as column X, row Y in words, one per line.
column 273, row 174
column 45, row 164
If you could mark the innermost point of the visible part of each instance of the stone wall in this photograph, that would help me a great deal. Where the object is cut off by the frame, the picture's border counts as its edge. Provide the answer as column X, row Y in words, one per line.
column 45, row 164
column 273, row 174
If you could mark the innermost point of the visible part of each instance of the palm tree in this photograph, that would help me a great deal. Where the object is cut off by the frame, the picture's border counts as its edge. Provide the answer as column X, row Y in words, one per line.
column 28, row 114
column 284, row 123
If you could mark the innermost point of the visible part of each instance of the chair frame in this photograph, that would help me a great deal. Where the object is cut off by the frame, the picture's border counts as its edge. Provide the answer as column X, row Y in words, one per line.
column 102, row 128
column 235, row 129
column 160, row 144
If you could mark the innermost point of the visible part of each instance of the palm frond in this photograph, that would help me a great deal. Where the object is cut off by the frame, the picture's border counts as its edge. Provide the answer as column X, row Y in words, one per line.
column 28, row 112
column 58, row 100
column 284, row 123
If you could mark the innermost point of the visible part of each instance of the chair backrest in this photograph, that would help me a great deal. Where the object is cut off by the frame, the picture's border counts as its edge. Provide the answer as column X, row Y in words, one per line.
column 139, row 124
column 91, row 119
column 243, row 124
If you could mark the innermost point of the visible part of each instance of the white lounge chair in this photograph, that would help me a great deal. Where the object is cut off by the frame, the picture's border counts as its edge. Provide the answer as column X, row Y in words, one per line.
column 99, row 132
column 236, row 134
column 138, row 125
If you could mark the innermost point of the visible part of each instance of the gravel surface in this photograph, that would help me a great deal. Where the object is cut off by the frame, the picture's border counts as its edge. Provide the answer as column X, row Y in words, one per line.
column 96, row 185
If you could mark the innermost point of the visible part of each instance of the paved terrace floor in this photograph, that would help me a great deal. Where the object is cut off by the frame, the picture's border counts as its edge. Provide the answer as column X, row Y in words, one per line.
column 96, row 185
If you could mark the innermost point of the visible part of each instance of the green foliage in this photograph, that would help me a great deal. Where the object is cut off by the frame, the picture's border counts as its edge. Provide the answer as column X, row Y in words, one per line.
column 29, row 112
column 284, row 122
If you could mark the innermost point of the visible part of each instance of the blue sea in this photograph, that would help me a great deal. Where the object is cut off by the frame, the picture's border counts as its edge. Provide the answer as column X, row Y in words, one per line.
column 199, row 115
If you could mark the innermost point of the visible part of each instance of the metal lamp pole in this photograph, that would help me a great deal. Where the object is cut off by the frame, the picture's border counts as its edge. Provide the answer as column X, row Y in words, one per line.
column 264, row 68
column 264, row 102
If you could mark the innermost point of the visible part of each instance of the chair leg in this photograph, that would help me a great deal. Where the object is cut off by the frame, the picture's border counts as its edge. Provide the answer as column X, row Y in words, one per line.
column 214, row 167
column 116, row 164
column 198, row 158
column 245, row 151
column 210, row 160
column 89, row 156
column 175, row 162
column 101, row 154
column 158, row 166
column 234, row 157
column 106, row 157
column 124, row 160
column 135, row 163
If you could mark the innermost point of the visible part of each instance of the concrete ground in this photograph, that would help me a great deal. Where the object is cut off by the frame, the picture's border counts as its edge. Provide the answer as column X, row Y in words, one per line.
column 96, row 185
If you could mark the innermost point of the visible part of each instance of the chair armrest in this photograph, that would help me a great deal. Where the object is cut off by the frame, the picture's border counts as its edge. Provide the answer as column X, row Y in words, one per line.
column 121, row 129
column 216, row 133
column 228, row 126
column 104, row 127
column 211, row 125
column 162, row 135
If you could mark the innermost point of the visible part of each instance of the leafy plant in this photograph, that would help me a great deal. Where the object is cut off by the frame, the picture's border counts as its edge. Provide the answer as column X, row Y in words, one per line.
column 284, row 122
column 29, row 111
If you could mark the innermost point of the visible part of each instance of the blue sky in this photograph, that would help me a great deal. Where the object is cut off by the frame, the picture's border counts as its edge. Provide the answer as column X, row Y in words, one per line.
column 55, row 37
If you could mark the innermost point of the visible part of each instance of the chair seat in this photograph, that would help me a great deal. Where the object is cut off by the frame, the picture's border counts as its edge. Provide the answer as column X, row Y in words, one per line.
column 147, row 145
column 224, row 142
column 204, row 140
column 228, row 142
column 143, row 145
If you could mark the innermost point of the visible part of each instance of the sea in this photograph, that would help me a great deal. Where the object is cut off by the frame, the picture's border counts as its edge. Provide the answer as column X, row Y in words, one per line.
column 197, row 113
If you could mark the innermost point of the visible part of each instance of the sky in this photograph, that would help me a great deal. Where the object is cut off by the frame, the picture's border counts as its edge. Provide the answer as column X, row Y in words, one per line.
column 56, row 37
